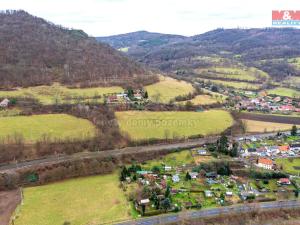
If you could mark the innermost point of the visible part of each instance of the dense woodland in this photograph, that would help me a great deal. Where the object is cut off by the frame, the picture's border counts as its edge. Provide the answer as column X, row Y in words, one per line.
column 35, row 52
column 253, row 47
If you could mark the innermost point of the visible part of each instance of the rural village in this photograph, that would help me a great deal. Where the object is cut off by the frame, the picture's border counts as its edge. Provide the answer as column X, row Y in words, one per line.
column 147, row 128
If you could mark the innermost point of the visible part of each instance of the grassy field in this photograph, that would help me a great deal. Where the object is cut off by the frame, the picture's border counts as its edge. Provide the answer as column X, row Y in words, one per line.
column 167, row 89
column 160, row 125
column 291, row 165
column 293, row 81
column 54, row 126
column 285, row 92
column 48, row 95
column 125, row 49
column 295, row 62
column 9, row 112
column 261, row 126
column 91, row 200
column 243, row 74
column 202, row 100
column 234, row 84
column 172, row 159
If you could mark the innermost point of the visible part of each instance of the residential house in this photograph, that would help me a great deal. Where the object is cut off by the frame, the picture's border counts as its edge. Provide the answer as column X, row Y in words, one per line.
column 175, row 178
column 273, row 149
column 168, row 168
column 208, row 193
column 142, row 172
column 4, row 103
column 202, row 152
column 284, row 181
column 284, row 149
column 212, row 175
column 295, row 147
column 144, row 201
column 112, row 99
column 138, row 96
column 229, row 193
column 265, row 163
column 194, row 175
column 211, row 181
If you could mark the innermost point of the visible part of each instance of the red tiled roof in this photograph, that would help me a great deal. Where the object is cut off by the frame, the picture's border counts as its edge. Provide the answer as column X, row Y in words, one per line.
column 265, row 161
column 284, row 148
column 284, row 180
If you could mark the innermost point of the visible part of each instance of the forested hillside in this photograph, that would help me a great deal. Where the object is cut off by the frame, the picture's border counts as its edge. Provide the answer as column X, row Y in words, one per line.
column 35, row 52
column 269, row 49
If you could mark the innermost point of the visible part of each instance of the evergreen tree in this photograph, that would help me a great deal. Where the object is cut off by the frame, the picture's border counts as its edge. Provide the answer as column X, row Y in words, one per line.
column 188, row 176
column 166, row 204
column 124, row 174
column 146, row 95
column 234, row 150
column 294, row 130
column 223, row 144
column 168, row 192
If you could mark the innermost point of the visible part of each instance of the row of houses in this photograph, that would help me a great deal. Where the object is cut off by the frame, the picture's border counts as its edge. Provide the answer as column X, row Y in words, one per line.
column 125, row 97
column 272, row 151
column 268, row 104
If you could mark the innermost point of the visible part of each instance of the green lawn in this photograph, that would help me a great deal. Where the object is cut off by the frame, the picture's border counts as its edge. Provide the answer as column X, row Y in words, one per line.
column 48, row 95
column 167, row 89
column 54, row 126
column 289, row 165
column 146, row 125
column 172, row 159
column 288, row 92
column 91, row 200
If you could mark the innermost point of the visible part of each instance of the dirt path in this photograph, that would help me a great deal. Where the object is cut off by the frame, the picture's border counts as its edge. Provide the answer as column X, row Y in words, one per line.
column 8, row 203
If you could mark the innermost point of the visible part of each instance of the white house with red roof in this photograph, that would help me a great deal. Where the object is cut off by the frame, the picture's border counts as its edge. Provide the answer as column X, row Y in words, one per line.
column 265, row 163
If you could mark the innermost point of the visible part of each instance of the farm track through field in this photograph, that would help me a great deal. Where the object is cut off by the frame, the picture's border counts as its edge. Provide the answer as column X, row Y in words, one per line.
column 270, row 118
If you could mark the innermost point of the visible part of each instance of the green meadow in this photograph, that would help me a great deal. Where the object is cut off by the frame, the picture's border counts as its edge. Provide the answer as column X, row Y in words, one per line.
column 53, row 126
column 57, row 93
column 159, row 125
column 90, row 200
column 167, row 89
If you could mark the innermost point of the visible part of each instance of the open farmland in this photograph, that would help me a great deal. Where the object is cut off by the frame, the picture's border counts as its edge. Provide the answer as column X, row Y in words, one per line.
column 53, row 126
column 160, row 125
column 233, row 84
column 293, row 81
column 289, row 165
column 90, row 200
column 203, row 100
column 261, row 126
column 57, row 93
column 243, row 74
column 167, row 89
column 288, row 92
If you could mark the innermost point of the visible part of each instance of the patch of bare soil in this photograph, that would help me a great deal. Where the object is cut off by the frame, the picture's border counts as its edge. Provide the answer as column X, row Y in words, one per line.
column 9, row 200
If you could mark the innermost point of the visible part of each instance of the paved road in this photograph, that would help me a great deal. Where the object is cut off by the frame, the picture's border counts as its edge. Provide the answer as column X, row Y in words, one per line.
column 129, row 150
column 177, row 217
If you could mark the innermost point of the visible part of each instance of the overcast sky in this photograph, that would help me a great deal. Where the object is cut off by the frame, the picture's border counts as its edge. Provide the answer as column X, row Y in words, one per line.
column 186, row 17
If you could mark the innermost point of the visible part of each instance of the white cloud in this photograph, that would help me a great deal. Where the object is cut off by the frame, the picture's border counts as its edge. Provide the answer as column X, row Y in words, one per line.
column 187, row 17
